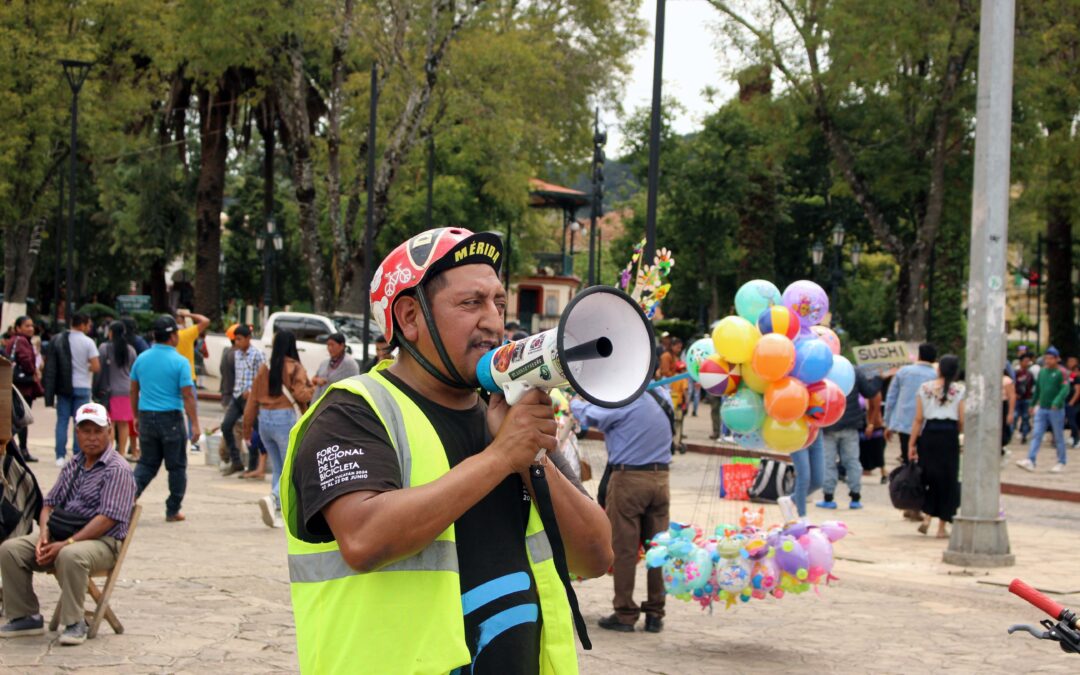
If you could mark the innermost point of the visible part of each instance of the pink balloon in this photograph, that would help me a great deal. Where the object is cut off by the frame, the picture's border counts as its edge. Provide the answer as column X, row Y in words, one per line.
column 828, row 337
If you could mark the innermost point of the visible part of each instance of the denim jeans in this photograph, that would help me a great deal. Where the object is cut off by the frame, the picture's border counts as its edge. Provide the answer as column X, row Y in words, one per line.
column 1023, row 417
column 233, row 414
column 66, row 407
column 809, row 466
column 845, row 443
column 163, row 438
column 274, row 428
column 1054, row 420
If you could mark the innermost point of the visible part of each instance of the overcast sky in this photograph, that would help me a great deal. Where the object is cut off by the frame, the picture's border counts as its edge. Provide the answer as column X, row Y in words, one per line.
column 692, row 61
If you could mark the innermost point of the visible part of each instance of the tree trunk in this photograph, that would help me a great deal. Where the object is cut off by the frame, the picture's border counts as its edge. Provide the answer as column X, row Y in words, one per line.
column 297, row 125
column 159, row 292
column 1059, row 208
column 333, row 149
column 209, row 194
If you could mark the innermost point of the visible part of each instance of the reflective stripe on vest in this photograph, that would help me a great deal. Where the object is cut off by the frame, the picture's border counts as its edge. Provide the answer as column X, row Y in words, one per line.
column 395, row 424
column 438, row 556
column 539, row 547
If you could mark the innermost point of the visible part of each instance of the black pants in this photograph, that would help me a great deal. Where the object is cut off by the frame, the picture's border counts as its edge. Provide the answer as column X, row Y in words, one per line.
column 904, row 440
column 164, row 439
column 939, row 457
column 233, row 414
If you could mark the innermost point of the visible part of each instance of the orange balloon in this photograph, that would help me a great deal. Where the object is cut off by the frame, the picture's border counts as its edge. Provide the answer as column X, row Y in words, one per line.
column 786, row 399
column 774, row 356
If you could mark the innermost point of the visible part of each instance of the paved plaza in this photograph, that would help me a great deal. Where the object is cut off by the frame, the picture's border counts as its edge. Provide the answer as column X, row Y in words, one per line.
column 211, row 594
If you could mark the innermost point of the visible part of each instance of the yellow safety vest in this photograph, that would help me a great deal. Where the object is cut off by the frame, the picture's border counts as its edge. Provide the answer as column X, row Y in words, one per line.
column 405, row 617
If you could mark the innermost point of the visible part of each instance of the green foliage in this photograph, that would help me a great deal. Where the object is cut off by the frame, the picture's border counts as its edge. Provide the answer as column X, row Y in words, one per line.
column 98, row 311
column 680, row 328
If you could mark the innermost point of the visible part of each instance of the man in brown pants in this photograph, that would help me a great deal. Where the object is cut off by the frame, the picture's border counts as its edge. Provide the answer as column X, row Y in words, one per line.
column 638, row 438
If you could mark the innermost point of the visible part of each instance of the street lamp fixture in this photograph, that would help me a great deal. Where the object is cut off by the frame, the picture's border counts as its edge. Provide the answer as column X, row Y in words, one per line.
column 838, row 235
column 817, row 252
column 75, row 72
column 856, row 254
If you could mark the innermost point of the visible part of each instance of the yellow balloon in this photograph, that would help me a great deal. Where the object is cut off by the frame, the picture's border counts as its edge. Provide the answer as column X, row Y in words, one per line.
column 754, row 381
column 785, row 436
column 734, row 338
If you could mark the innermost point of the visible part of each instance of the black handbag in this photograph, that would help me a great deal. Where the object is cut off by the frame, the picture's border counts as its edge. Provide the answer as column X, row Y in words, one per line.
column 63, row 524
column 906, row 488
column 774, row 480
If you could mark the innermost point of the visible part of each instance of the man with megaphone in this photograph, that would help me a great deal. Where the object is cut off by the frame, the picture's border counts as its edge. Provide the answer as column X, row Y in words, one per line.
column 413, row 510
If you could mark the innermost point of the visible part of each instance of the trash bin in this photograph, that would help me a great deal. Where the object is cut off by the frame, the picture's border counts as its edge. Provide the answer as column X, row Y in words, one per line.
column 211, row 447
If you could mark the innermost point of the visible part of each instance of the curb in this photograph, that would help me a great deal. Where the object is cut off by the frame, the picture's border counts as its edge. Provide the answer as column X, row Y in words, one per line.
column 730, row 450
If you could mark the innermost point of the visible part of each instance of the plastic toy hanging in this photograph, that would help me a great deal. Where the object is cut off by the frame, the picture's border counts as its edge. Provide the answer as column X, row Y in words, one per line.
column 650, row 287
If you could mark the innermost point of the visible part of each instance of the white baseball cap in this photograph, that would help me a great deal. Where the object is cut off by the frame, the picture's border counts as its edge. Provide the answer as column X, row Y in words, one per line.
column 95, row 412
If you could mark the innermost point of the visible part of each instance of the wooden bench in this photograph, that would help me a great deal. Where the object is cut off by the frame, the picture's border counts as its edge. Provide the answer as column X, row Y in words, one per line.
column 101, row 595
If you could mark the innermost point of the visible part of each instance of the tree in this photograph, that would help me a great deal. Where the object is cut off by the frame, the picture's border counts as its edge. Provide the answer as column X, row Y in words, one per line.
column 887, row 84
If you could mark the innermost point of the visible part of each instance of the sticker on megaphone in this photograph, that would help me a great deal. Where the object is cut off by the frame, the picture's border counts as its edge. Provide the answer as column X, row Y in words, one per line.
column 603, row 348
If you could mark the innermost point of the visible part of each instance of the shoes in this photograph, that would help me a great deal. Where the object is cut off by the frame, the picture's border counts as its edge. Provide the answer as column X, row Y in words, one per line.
column 266, row 507
column 713, row 437
column 60, row 461
column 826, row 504
column 231, row 469
column 175, row 518
column 30, row 459
column 75, row 634
column 913, row 515
column 653, row 624
column 27, row 625
column 884, row 480
column 856, row 505
column 924, row 527
column 1058, row 468
column 1025, row 464
column 612, row 623
column 1076, row 444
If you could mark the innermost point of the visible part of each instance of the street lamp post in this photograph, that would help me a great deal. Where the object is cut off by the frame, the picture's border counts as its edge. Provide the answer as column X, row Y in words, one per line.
column 268, row 242
column 599, row 140
column 836, row 273
column 75, row 72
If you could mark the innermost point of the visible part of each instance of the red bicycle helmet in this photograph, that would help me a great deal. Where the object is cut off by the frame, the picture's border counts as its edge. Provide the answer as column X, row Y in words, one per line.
column 423, row 256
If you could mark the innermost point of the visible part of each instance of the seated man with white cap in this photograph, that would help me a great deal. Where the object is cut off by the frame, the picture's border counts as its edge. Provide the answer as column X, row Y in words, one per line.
column 85, row 518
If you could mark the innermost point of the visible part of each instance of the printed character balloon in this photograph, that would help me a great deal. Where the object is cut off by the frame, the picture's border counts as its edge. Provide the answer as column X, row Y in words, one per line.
column 828, row 337
column 696, row 353
column 786, row 399
column 819, row 550
column 813, row 359
column 826, row 405
column 734, row 338
column 842, row 373
column 785, row 436
column 765, row 574
column 718, row 377
column 792, row 557
column 773, row 357
column 733, row 574
column 781, row 320
column 749, row 441
column 754, row 297
column 808, row 300
column 698, row 568
column 743, row 411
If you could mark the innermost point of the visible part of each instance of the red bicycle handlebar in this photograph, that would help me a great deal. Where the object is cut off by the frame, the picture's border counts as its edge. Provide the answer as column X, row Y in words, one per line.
column 1036, row 598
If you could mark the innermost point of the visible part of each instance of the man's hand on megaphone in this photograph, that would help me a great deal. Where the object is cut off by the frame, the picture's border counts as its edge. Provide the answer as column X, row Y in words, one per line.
column 521, row 430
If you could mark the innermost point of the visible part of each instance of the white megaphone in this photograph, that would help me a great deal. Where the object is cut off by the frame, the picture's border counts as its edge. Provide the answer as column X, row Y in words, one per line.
column 603, row 347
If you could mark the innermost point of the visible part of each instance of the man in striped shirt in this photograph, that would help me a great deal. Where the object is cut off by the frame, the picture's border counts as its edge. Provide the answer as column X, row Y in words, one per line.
column 93, row 498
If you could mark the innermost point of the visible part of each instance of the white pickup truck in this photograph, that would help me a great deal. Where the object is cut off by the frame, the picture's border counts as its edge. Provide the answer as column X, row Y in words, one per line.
column 311, row 331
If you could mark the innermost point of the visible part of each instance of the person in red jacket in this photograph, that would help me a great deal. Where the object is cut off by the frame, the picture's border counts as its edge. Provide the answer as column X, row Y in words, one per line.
column 26, row 378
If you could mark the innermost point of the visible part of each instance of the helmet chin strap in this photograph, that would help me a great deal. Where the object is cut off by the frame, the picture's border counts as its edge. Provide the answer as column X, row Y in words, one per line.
column 455, row 379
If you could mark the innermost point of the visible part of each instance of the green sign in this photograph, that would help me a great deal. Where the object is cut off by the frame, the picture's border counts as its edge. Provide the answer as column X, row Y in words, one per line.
column 129, row 304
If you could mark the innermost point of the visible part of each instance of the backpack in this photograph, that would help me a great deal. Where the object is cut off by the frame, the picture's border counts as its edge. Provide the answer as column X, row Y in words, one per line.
column 774, row 480
column 906, row 488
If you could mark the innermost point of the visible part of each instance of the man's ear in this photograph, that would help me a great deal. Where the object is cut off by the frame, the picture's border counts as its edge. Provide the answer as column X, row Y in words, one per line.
column 408, row 317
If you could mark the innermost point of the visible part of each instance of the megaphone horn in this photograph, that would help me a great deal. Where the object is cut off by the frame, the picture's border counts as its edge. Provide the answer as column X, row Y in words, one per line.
column 603, row 347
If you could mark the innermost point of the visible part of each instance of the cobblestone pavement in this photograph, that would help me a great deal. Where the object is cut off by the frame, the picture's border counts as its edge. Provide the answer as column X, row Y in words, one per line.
column 212, row 594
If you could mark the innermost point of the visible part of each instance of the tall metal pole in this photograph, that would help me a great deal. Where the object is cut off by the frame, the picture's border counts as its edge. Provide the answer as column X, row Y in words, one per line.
column 430, row 181
column 599, row 139
column 1038, row 293
column 979, row 535
column 59, row 251
column 370, row 224
column 654, row 136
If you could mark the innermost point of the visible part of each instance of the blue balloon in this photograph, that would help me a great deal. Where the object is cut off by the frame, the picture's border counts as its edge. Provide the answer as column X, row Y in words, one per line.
column 842, row 374
column 813, row 359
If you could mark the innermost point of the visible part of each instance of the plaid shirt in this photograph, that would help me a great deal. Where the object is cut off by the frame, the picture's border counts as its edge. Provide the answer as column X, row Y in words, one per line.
column 247, row 365
column 107, row 489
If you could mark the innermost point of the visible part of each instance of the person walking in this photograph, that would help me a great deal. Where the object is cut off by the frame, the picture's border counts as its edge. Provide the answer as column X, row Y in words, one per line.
column 69, row 367
column 809, row 465
column 638, row 438
column 1008, row 410
column 247, row 360
column 841, row 441
column 1072, row 407
column 1051, row 393
column 117, row 357
column 25, row 375
column 280, row 393
column 336, row 368
column 903, row 394
column 872, row 437
column 1025, row 388
column 189, row 336
column 161, row 391
column 935, row 443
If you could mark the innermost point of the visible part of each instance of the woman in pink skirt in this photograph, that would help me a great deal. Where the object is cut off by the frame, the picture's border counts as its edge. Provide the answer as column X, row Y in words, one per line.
column 116, row 359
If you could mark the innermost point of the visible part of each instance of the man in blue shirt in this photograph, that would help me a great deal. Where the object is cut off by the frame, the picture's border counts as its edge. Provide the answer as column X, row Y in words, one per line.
column 638, row 438
column 161, row 390
column 903, row 391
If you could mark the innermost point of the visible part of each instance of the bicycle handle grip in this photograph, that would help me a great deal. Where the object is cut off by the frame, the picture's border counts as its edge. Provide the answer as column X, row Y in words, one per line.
column 1036, row 598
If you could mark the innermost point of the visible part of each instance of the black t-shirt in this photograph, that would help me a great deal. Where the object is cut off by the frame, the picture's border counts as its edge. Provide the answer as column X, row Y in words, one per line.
column 346, row 449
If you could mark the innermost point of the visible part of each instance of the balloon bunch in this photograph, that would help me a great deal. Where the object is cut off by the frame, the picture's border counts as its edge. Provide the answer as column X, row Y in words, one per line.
column 745, row 563
column 650, row 285
column 781, row 373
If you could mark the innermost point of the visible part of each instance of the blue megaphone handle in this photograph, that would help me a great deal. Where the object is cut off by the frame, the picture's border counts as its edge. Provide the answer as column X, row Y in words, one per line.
column 668, row 380
column 483, row 373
